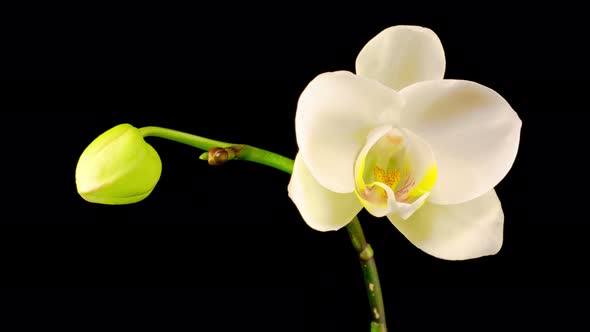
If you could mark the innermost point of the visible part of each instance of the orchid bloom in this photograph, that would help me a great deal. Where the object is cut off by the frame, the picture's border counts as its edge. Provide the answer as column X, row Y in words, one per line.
column 404, row 143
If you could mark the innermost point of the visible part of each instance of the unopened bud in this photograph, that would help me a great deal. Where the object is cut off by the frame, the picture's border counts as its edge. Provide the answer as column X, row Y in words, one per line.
column 118, row 167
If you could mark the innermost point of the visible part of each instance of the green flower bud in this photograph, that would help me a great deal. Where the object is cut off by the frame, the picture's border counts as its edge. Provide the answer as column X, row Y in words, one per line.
column 118, row 167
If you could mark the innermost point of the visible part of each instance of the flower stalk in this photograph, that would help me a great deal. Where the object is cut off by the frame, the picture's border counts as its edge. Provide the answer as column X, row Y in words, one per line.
column 367, row 260
column 219, row 153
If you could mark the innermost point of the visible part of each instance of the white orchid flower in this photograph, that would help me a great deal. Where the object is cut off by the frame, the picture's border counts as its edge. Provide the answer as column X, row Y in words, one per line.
column 402, row 142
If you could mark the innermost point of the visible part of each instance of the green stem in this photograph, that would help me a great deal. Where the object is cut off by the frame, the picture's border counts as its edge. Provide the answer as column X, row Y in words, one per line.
column 243, row 152
column 184, row 138
column 355, row 231
column 357, row 237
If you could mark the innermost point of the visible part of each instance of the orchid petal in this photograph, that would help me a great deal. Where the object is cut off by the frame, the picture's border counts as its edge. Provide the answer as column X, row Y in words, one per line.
column 472, row 130
column 335, row 113
column 456, row 232
column 322, row 209
column 402, row 55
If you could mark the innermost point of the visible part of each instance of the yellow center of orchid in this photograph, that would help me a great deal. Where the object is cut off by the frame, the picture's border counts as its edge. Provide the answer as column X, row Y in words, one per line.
column 394, row 172
column 390, row 178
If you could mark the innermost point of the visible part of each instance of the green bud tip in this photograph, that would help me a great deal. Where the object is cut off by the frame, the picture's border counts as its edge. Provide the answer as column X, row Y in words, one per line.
column 118, row 167
column 204, row 156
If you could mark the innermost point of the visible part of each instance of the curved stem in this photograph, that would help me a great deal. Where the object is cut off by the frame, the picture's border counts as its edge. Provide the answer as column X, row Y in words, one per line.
column 254, row 154
column 355, row 231
column 357, row 237
column 242, row 152
column 182, row 137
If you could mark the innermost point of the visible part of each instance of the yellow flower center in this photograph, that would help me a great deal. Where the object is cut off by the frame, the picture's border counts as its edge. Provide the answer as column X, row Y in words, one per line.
column 394, row 172
column 391, row 178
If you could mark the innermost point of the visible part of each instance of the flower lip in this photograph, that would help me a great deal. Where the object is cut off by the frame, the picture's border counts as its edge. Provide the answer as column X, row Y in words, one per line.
column 394, row 172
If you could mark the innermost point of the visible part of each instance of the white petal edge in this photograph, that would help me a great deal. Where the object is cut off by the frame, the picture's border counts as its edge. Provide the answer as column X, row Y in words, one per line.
column 335, row 113
column 402, row 55
column 456, row 232
column 322, row 209
column 472, row 130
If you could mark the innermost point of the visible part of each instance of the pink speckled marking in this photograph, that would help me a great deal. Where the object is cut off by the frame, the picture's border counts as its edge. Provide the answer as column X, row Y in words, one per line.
column 401, row 194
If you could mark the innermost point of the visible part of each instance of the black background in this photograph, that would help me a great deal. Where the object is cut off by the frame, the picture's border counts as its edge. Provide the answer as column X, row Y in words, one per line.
column 223, row 248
